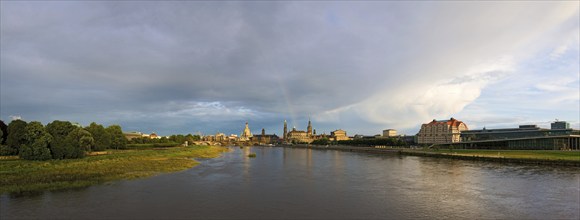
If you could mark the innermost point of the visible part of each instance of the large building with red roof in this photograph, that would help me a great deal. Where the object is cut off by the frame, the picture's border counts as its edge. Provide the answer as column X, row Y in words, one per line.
column 441, row 132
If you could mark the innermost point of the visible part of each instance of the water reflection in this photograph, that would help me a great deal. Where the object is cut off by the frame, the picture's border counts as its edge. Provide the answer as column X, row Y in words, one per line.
column 319, row 184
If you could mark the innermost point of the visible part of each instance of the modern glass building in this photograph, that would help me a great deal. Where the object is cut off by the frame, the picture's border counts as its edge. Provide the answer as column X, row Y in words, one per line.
column 525, row 137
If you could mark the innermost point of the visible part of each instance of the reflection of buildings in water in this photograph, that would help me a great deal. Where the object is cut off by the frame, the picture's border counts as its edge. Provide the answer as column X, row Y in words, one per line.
column 309, row 158
column 451, row 177
column 246, row 159
column 338, row 164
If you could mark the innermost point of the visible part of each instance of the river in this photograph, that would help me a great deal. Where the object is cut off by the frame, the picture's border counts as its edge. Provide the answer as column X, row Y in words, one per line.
column 294, row 183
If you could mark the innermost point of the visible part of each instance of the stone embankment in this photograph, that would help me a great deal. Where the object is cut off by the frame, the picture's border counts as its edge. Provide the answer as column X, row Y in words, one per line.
column 410, row 152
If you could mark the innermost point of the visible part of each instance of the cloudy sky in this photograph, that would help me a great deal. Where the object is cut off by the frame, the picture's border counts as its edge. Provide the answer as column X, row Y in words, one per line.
column 184, row 67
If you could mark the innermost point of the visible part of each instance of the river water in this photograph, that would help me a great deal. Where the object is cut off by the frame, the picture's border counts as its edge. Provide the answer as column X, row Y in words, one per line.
column 288, row 183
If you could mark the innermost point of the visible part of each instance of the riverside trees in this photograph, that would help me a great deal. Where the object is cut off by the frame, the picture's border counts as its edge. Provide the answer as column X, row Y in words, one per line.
column 59, row 131
column 101, row 136
column 15, row 138
column 36, row 144
column 58, row 139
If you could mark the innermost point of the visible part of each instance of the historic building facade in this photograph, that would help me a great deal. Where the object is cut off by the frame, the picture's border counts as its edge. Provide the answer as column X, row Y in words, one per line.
column 339, row 135
column 246, row 133
column 441, row 132
column 297, row 136
column 265, row 138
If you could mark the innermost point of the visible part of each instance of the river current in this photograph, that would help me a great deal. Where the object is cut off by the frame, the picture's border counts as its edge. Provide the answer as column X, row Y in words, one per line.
column 291, row 183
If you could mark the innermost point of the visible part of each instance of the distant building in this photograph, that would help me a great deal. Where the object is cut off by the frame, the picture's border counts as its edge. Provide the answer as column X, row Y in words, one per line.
column 525, row 137
column 220, row 137
column 560, row 125
column 441, row 132
column 246, row 133
column 297, row 136
column 339, row 135
column 133, row 135
column 523, row 131
column 264, row 138
column 208, row 138
column 154, row 136
column 389, row 133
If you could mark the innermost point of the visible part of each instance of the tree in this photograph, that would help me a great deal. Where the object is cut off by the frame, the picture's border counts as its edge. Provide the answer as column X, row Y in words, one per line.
column 189, row 138
column 101, row 136
column 118, row 140
column 16, row 136
column 4, row 132
column 4, row 150
column 322, row 141
column 59, row 131
column 77, row 142
column 177, row 138
column 36, row 143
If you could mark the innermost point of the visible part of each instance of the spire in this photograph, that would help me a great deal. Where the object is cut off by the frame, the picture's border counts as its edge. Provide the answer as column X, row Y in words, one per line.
column 285, row 130
column 309, row 128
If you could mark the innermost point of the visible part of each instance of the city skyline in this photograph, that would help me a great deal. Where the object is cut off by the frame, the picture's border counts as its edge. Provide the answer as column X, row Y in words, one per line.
column 184, row 67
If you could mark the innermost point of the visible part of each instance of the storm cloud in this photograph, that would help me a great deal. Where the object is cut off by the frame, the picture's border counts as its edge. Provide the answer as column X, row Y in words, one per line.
column 181, row 67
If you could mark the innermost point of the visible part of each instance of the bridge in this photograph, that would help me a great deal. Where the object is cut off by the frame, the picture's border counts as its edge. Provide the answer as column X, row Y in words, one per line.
column 207, row 143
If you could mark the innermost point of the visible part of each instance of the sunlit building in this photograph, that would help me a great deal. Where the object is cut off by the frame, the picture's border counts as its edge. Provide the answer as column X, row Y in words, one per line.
column 339, row 135
column 441, row 132
column 246, row 133
column 389, row 133
column 297, row 136
column 220, row 137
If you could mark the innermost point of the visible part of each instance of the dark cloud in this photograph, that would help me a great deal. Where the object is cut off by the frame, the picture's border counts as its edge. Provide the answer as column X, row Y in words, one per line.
column 180, row 66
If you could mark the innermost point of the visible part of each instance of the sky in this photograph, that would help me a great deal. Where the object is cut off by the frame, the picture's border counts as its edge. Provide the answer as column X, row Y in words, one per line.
column 194, row 66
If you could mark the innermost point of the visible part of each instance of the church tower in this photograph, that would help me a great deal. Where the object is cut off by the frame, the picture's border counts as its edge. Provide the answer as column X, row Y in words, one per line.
column 285, row 130
column 309, row 128
column 246, row 134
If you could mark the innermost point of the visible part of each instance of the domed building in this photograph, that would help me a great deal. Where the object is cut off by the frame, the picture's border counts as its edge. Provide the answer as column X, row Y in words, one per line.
column 246, row 134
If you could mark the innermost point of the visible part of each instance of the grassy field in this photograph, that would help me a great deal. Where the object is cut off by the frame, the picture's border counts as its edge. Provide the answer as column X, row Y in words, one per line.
column 517, row 154
column 149, row 146
column 22, row 176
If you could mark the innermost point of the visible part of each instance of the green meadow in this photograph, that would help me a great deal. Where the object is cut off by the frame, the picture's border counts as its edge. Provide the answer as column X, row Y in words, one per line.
column 515, row 154
column 25, row 176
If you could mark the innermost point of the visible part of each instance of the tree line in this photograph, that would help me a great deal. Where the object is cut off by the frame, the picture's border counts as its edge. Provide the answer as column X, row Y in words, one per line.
column 176, row 138
column 57, row 140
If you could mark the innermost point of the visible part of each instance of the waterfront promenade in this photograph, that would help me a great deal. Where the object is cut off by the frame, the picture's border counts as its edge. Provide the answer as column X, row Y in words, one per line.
column 496, row 156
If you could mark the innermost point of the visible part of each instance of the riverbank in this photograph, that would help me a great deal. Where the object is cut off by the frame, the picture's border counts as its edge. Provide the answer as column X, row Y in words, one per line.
column 23, row 176
column 545, row 157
